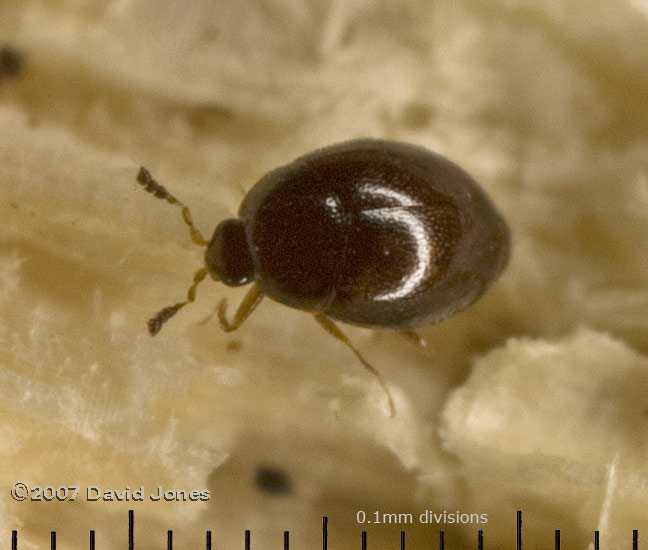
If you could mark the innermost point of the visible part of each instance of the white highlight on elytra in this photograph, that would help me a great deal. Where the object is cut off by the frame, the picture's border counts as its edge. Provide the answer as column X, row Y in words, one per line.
column 334, row 207
column 332, row 204
column 400, row 215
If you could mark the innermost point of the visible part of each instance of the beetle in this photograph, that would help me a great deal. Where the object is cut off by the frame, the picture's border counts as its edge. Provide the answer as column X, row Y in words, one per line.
column 370, row 232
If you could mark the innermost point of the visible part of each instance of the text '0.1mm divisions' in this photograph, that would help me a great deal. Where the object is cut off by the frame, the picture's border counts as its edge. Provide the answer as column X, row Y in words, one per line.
column 427, row 517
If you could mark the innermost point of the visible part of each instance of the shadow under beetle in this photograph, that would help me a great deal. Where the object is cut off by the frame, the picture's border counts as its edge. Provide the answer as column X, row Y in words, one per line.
column 370, row 232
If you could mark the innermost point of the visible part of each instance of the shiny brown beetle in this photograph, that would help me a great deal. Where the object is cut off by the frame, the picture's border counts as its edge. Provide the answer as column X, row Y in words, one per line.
column 370, row 232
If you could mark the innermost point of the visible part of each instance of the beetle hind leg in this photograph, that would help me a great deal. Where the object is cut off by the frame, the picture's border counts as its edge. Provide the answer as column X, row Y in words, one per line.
column 333, row 330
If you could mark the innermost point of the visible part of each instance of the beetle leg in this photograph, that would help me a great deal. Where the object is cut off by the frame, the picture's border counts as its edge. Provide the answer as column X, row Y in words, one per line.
column 418, row 339
column 248, row 305
column 162, row 316
column 146, row 180
column 334, row 330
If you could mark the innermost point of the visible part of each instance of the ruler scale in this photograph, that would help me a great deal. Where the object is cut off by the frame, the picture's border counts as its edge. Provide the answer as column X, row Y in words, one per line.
column 286, row 545
column 325, row 533
column 131, row 529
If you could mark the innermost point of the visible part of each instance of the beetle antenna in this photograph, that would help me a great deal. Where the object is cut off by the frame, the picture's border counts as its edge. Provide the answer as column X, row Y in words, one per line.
column 333, row 329
column 162, row 316
column 146, row 180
